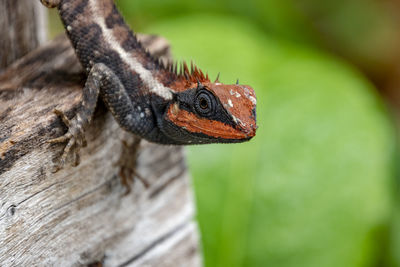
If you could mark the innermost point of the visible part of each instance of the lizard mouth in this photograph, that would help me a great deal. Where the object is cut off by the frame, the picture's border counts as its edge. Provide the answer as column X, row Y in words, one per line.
column 211, row 128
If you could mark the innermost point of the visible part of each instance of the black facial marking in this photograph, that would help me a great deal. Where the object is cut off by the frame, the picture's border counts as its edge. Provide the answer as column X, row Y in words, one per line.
column 204, row 104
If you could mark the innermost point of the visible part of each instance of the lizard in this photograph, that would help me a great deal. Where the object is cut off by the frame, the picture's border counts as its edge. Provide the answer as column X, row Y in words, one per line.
column 161, row 102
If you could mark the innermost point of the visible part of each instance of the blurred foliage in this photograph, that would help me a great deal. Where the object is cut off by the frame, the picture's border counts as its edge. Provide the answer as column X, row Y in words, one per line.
column 315, row 186
column 366, row 31
column 312, row 189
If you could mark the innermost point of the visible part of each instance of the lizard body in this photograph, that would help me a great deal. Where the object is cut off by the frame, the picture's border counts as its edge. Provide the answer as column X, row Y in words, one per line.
column 146, row 97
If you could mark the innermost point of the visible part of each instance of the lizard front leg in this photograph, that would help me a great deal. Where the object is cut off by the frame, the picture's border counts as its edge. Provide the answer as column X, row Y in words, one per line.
column 101, row 81
column 76, row 126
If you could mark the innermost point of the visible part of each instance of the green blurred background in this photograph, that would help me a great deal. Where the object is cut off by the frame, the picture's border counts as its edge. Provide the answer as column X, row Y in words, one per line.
column 318, row 185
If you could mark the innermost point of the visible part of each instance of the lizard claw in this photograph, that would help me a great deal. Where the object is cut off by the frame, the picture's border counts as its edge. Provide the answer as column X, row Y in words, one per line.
column 74, row 137
column 64, row 118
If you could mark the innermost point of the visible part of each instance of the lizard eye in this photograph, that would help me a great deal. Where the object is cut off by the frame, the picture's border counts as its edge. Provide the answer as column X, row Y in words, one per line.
column 204, row 103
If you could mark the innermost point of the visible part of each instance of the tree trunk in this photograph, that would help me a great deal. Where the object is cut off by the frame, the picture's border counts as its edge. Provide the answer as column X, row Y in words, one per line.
column 22, row 29
column 82, row 215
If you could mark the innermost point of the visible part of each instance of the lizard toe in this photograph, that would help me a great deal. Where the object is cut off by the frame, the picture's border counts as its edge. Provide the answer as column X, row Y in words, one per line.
column 75, row 138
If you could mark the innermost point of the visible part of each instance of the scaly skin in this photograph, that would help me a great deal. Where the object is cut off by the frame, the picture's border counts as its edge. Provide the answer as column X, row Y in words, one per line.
column 152, row 100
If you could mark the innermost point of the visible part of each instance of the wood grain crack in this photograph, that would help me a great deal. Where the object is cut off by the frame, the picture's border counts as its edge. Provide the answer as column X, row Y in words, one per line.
column 155, row 243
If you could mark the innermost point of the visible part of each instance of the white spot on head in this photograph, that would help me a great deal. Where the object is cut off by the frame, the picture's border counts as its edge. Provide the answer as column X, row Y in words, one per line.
column 234, row 119
column 230, row 103
column 253, row 100
column 241, row 123
column 249, row 96
column 238, row 121
column 141, row 115
column 234, row 93
column 69, row 28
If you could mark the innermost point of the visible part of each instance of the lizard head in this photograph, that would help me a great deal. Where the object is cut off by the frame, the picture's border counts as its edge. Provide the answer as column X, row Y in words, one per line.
column 204, row 112
column 213, row 113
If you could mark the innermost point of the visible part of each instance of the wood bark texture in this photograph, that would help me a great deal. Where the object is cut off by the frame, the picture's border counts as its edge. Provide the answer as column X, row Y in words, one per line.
column 22, row 29
column 81, row 215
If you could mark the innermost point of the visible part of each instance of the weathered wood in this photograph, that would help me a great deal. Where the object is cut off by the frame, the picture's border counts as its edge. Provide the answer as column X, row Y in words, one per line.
column 81, row 215
column 22, row 29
